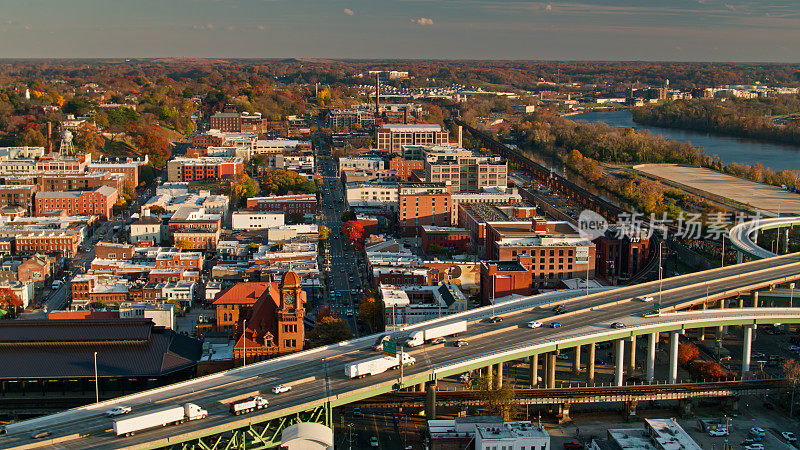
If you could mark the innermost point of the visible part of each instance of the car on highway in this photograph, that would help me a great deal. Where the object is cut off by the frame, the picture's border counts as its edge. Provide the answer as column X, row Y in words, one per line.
column 617, row 325
column 789, row 436
column 561, row 309
column 651, row 313
column 460, row 343
column 646, row 299
column 557, row 307
column 718, row 432
column 438, row 340
column 534, row 324
column 118, row 411
column 281, row 388
column 40, row 434
column 495, row 319
column 556, row 324
column 373, row 442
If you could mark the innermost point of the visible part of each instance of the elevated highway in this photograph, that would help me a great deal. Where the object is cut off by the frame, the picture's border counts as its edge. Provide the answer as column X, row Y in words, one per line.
column 319, row 383
column 744, row 235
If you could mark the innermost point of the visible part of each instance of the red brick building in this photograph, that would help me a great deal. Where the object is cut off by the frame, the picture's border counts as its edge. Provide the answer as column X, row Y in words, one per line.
column 449, row 239
column 503, row 278
column 404, row 167
column 421, row 204
column 619, row 256
column 98, row 202
column 207, row 140
column 113, row 250
column 49, row 241
column 129, row 168
column 287, row 204
column 18, row 195
column 204, row 168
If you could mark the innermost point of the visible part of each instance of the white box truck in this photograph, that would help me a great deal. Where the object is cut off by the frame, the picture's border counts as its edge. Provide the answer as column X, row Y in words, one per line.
column 126, row 426
column 421, row 336
column 376, row 365
column 248, row 404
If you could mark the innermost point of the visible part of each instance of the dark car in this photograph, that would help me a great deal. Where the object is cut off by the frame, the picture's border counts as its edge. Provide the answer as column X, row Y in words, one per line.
column 495, row 319
column 557, row 307
column 617, row 325
column 573, row 445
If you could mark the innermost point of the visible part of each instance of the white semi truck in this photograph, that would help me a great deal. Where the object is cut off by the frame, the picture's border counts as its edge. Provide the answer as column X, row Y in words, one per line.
column 421, row 336
column 376, row 365
column 126, row 426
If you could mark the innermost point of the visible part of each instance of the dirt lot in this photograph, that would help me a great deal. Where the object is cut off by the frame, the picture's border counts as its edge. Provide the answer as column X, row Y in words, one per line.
column 760, row 196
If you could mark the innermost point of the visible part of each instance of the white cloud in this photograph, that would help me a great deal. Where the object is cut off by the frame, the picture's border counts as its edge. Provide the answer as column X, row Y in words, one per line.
column 349, row 11
column 423, row 21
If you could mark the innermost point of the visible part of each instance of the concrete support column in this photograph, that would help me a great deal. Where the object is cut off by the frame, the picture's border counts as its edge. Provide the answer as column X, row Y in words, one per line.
column 785, row 241
column 739, row 257
column 619, row 361
column 630, row 409
column 673, row 357
column 590, row 363
column 747, row 341
column 652, row 338
column 740, row 301
column 551, row 370
column 754, row 298
column 632, row 356
column 490, row 375
column 721, row 329
column 498, row 378
column 533, row 361
column 563, row 413
column 430, row 401
column 576, row 364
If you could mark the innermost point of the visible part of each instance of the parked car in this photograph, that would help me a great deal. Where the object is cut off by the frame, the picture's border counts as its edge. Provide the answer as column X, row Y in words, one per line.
column 754, row 447
column 573, row 445
column 373, row 441
column 534, row 324
column 789, row 436
column 718, row 432
column 118, row 411
column 281, row 388
column 757, row 431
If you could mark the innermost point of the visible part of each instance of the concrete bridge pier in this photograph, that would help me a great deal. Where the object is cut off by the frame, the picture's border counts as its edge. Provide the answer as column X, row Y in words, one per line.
column 722, row 329
column 619, row 362
column 747, row 342
column 739, row 257
column 563, row 413
column 685, row 407
column 652, row 338
column 785, row 241
column 430, row 400
column 498, row 378
column 740, row 300
column 632, row 356
column 630, row 409
column 551, row 370
column 576, row 364
column 533, row 361
column 590, row 363
column 673, row 357
column 754, row 298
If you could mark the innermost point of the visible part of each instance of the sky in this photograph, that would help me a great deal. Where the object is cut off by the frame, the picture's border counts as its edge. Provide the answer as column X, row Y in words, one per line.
column 650, row 30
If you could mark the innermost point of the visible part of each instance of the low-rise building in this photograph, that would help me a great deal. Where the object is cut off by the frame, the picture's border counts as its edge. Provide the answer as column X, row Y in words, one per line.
column 194, row 228
column 305, row 204
column 371, row 194
column 421, row 204
column 18, row 195
column 204, row 168
column 147, row 230
column 407, row 305
column 392, row 137
column 256, row 220
column 99, row 202
column 130, row 168
column 447, row 240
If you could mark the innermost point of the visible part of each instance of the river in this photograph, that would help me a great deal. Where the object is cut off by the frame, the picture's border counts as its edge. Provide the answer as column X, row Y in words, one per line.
column 729, row 149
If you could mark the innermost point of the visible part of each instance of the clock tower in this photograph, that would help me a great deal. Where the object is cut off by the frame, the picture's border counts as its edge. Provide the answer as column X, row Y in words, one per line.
column 290, row 313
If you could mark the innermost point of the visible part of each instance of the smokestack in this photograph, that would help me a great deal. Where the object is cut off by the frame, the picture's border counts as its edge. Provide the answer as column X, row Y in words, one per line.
column 460, row 136
column 405, row 115
column 377, row 96
column 49, row 137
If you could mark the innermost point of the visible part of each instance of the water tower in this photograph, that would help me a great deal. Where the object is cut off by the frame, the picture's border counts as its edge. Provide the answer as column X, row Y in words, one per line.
column 66, row 143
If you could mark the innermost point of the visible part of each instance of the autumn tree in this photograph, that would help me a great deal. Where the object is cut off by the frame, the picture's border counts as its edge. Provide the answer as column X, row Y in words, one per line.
column 328, row 330
column 708, row 371
column 370, row 310
column 791, row 373
column 244, row 187
column 324, row 232
column 32, row 137
column 687, row 353
column 496, row 401
column 353, row 231
column 281, row 182
column 88, row 139
column 151, row 140
column 10, row 303
column 184, row 244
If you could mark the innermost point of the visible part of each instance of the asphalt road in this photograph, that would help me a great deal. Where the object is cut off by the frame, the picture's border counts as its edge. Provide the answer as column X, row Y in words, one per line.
column 428, row 357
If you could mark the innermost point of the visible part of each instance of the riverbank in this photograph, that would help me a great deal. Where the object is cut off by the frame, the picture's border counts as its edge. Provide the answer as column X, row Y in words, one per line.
column 729, row 149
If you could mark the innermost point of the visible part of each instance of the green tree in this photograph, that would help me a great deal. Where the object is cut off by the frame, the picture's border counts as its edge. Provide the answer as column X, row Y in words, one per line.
column 496, row 401
column 32, row 137
column 328, row 330
column 78, row 106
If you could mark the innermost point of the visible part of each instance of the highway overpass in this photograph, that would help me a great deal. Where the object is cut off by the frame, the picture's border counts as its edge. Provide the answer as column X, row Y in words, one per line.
column 744, row 235
column 316, row 390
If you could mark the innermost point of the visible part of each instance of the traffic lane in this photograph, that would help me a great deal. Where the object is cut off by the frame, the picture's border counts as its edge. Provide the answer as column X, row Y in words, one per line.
column 584, row 318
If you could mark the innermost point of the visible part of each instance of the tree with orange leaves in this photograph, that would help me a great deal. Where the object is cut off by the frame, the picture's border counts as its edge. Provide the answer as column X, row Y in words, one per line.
column 353, row 231
column 687, row 353
column 9, row 303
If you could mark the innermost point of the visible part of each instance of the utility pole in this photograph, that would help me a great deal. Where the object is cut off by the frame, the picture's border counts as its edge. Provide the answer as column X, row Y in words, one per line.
column 244, row 343
column 96, row 387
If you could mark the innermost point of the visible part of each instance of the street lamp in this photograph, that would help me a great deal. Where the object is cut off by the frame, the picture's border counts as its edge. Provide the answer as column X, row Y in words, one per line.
column 244, row 342
column 791, row 295
column 96, row 388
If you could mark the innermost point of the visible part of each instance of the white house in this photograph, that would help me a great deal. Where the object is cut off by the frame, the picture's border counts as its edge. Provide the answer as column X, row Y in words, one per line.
column 256, row 220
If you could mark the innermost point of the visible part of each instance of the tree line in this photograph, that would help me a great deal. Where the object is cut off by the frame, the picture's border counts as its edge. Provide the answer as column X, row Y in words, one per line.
column 747, row 118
